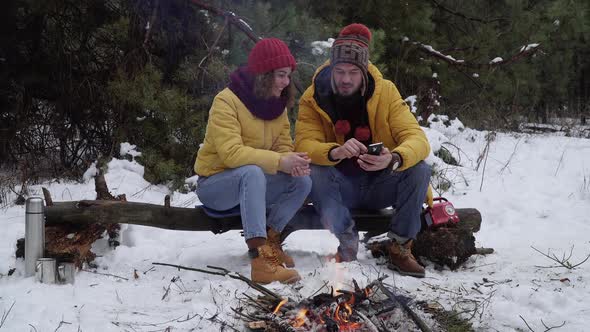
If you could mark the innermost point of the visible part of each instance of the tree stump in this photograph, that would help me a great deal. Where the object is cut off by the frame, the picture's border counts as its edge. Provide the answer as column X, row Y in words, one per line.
column 71, row 242
column 446, row 245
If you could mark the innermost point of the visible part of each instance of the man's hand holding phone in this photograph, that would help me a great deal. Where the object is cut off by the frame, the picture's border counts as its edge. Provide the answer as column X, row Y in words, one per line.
column 375, row 148
column 351, row 148
column 378, row 157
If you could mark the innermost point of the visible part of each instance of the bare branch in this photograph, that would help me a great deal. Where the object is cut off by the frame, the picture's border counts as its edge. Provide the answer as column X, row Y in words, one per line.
column 559, row 164
column 150, row 24
column 239, row 23
column 548, row 328
column 233, row 19
column 470, row 18
column 510, row 158
column 224, row 272
column 489, row 137
column 6, row 313
column 527, row 324
column 104, row 274
column 564, row 261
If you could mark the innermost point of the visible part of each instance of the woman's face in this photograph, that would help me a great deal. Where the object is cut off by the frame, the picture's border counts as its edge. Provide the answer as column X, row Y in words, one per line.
column 281, row 79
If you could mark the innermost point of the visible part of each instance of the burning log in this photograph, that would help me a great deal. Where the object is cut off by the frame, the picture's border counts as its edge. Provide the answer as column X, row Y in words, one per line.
column 356, row 310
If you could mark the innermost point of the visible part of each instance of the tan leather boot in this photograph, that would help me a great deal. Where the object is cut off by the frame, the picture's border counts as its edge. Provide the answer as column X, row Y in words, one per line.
column 402, row 260
column 273, row 239
column 266, row 267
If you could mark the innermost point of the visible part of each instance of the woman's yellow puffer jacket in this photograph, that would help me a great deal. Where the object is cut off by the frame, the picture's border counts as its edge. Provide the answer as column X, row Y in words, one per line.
column 235, row 137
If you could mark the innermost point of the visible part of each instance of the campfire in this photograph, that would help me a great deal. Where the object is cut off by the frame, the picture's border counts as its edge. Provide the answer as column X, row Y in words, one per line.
column 374, row 308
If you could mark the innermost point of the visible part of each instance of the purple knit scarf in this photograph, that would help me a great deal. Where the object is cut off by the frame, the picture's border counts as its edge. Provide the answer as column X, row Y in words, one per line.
column 242, row 84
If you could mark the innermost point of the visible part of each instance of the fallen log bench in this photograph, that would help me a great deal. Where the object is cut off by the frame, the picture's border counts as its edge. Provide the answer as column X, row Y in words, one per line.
column 196, row 219
column 73, row 226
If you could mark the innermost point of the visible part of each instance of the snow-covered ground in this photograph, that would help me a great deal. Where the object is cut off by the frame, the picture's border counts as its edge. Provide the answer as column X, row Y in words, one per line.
column 535, row 193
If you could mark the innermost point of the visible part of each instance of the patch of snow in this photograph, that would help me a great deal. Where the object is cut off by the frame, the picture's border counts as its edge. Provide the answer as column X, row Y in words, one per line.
column 412, row 101
column 128, row 149
column 528, row 47
column 90, row 173
column 496, row 60
column 319, row 47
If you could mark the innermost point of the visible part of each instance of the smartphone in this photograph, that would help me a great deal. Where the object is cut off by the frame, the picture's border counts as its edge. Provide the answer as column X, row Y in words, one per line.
column 375, row 148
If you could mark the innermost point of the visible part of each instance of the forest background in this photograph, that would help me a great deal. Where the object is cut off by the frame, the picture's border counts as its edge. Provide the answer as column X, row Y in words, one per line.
column 77, row 78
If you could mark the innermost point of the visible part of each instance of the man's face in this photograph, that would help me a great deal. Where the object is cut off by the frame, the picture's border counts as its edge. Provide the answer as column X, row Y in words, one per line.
column 348, row 78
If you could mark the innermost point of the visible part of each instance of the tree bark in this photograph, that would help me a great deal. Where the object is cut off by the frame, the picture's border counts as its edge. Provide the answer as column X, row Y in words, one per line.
column 89, row 212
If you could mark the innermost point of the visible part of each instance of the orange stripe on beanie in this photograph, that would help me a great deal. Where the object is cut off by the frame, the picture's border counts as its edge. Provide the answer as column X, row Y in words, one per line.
column 269, row 54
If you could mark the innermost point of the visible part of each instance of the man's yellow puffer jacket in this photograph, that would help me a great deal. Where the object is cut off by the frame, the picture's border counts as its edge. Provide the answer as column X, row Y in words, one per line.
column 235, row 137
column 390, row 120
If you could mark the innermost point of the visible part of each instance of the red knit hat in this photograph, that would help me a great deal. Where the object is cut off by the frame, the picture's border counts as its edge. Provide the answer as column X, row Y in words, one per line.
column 270, row 54
column 352, row 46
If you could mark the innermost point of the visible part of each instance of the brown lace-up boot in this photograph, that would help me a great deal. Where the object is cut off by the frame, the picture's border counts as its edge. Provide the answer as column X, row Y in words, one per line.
column 402, row 260
column 266, row 267
column 273, row 239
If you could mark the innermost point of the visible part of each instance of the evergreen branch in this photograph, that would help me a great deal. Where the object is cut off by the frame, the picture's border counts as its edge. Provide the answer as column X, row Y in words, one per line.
column 524, row 51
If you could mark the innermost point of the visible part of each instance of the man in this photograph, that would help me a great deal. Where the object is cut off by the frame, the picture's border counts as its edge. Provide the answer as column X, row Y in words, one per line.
column 349, row 106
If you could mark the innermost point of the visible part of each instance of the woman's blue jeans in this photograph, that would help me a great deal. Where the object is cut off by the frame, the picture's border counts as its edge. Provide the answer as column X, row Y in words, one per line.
column 334, row 194
column 265, row 200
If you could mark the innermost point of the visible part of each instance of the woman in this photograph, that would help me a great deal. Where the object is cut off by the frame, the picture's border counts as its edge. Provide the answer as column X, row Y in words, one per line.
column 247, row 157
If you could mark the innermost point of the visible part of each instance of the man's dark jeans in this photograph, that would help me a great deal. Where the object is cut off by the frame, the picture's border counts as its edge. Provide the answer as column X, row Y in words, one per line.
column 333, row 194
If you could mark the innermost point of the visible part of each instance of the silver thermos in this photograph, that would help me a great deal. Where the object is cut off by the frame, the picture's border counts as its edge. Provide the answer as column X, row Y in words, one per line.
column 34, row 234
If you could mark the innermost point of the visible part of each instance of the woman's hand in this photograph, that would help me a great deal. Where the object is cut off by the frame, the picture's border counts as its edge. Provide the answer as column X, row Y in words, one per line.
column 295, row 163
column 301, row 171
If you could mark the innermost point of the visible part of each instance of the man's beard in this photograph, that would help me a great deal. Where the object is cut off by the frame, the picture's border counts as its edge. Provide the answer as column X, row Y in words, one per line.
column 349, row 92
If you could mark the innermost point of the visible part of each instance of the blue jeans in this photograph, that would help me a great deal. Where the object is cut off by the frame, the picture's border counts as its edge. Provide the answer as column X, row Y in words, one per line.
column 333, row 195
column 265, row 200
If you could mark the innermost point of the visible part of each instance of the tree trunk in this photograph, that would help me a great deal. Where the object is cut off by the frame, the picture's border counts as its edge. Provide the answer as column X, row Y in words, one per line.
column 72, row 227
column 89, row 212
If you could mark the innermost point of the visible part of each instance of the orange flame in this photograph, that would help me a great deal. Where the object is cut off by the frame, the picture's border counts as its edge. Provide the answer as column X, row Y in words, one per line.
column 342, row 316
column 283, row 301
column 300, row 319
column 343, row 312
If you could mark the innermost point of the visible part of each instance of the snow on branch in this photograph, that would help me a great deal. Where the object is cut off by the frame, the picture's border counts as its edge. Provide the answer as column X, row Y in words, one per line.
column 231, row 17
column 498, row 61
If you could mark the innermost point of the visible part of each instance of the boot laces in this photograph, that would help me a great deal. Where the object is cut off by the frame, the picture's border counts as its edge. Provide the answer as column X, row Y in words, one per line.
column 275, row 243
column 272, row 256
column 402, row 250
